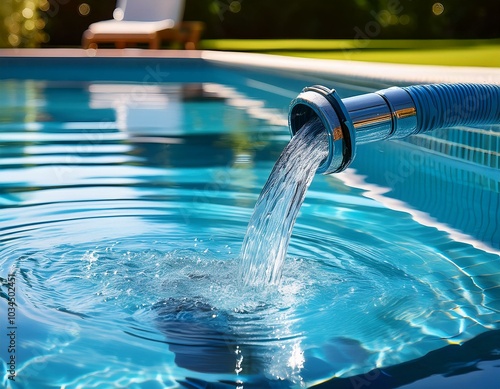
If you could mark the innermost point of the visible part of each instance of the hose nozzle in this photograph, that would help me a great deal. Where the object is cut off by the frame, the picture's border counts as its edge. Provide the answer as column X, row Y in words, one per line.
column 361, row 119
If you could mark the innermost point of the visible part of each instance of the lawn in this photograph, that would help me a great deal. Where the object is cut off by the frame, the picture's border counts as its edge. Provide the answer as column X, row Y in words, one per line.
column 428, row 52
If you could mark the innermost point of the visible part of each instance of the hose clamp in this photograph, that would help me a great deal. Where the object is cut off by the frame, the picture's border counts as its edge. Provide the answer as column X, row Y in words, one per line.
column 326, row 104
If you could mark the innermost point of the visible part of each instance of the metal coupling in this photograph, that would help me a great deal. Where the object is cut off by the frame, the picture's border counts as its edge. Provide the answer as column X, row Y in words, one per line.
column 388, row 113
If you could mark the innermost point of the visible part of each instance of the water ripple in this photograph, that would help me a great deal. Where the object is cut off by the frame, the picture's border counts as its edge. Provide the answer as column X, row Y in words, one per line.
column 127, row 255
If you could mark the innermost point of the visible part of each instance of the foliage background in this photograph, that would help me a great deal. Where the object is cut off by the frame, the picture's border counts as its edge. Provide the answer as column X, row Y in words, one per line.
column 31, row 23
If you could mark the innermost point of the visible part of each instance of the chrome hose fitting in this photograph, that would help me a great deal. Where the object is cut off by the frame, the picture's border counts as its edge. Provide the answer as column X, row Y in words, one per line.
column 388, row 113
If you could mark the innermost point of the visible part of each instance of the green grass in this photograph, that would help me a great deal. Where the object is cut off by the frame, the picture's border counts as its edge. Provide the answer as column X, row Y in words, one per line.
column 427, row 52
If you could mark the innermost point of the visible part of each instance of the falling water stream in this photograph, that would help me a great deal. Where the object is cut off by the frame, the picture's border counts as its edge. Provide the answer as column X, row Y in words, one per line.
column 270, row 227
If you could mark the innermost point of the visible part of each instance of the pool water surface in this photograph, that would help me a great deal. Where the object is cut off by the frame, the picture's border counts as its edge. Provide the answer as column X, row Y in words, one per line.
column 123, row 211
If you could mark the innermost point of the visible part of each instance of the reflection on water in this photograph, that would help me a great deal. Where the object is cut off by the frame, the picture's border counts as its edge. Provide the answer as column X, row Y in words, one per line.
column 455, row 191
column 125, row 242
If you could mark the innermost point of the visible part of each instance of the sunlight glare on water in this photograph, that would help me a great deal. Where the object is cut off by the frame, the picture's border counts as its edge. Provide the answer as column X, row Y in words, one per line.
column 126, row 249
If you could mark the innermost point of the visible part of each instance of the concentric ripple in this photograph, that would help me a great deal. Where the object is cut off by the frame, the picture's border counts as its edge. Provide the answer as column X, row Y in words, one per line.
column 345, row 304
column 126, row 256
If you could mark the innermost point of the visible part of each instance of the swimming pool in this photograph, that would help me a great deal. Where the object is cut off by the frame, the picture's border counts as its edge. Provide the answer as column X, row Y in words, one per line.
column 126, row 187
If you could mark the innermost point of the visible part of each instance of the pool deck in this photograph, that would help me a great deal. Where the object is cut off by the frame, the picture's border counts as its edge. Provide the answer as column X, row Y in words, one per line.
column 335, row 69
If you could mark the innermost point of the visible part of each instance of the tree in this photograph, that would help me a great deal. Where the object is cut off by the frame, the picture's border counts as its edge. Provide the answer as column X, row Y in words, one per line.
column 22, row 24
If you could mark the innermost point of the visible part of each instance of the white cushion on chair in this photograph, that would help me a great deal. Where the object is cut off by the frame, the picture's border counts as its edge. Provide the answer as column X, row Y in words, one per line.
column 150, row 10
column 130, row 27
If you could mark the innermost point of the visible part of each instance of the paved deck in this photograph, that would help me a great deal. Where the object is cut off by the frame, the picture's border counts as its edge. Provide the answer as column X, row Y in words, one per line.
column 349, row 70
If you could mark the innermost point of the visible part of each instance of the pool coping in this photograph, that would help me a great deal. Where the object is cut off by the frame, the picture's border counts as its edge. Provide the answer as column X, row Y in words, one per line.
column 350, row 71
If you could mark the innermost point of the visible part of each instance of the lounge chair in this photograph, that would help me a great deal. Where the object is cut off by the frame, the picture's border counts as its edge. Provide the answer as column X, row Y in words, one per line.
column 144, row 21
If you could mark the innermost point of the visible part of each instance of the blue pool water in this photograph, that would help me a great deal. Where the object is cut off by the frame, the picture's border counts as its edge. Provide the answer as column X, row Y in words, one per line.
column 124, row 205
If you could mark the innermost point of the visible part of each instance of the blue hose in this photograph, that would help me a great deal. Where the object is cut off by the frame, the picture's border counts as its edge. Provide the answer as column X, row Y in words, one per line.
column 449, row 105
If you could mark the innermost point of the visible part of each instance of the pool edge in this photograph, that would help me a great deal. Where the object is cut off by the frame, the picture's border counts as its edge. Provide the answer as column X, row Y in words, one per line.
column 350, row 71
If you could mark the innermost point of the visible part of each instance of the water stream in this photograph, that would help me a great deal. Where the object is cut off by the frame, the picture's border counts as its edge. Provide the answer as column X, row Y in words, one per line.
column 270, row 227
